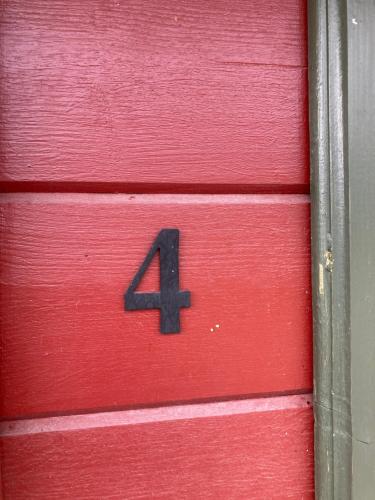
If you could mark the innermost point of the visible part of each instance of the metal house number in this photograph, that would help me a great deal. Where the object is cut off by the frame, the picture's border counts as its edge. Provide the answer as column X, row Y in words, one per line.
column 169, row 299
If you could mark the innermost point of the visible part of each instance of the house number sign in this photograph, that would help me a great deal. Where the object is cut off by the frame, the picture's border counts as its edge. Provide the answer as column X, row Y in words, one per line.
column 170, row 298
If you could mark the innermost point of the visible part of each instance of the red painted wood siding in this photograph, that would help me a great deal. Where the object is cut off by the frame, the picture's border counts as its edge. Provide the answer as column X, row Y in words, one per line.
column 205, row 102
column 254, row 449
column 67, row 260
column 163, row 94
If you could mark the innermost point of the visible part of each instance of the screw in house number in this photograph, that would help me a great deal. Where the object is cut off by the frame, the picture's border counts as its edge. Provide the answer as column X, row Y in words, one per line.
column 169, row 299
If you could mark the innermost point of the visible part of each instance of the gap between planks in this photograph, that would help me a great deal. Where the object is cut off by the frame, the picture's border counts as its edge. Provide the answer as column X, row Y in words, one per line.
column 161, row 414
column 139, row 188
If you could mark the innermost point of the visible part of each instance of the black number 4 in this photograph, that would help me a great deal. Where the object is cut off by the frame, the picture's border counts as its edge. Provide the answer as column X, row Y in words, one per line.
column 170, row 299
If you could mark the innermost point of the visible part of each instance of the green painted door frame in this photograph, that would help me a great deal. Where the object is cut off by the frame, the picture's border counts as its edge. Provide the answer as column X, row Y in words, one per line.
column 342, row 138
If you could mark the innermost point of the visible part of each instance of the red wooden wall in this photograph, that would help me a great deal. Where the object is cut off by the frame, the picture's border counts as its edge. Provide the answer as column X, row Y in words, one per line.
column 120, row 119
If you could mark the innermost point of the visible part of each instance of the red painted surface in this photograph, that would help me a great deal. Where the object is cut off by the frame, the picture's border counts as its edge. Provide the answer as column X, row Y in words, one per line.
column 67, row 260
column 251, row 449
column 149, row 97
column 158, row 95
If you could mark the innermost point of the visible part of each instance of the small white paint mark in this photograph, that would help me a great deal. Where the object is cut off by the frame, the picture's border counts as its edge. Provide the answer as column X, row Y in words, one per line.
column 215, row 327
column 354, row 20
column 321, row 279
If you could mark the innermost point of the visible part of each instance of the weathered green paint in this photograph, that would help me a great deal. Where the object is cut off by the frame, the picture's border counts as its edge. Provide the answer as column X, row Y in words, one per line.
column 361, row 122
column 342, row 123
column 321, row 227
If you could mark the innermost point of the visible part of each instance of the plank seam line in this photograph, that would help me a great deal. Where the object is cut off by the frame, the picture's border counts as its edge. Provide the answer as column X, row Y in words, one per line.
column 151, row 199
column 163, row 414
column 111, row 187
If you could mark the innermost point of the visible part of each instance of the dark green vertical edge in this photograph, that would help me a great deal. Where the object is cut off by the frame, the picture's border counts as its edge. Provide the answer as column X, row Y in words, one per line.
column 328, row 96
column 361, row 147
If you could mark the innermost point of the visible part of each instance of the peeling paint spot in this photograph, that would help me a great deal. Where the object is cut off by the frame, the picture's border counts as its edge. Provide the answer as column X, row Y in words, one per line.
column 329, row 260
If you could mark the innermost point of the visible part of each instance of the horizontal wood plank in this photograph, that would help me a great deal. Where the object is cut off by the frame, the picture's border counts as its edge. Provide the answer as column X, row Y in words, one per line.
column 156, row 95
column 68, row 345
column 263, row 449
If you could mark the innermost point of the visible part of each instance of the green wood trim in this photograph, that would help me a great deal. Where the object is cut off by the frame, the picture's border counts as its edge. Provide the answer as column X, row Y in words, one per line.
column 342, row 126
column 321, row 245
column 328, row 142
column 361, row 154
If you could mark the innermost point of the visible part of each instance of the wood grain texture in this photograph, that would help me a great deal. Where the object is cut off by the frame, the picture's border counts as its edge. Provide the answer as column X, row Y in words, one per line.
column 67, row 260
column 212, row 453
column 359, row 271
column 157, row 95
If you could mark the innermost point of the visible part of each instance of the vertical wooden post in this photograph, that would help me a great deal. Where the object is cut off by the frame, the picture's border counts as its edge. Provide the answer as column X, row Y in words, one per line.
column 361, row 161
column 342, row 123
